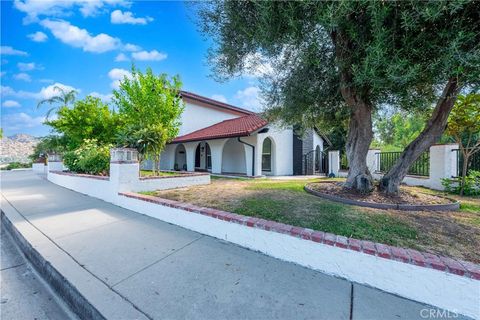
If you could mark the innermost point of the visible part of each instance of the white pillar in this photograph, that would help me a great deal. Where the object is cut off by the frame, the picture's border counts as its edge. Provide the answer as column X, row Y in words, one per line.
column 55, row 162
column 373, row 162
column 190, row 148
column 443, row 164
column 334, row 162
column 216, row 149
column 124, row 168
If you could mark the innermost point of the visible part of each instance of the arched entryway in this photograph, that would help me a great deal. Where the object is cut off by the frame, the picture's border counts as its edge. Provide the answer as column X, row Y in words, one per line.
column 268, row 149
column 233, row 158
column 203, row 157
column 180, row 158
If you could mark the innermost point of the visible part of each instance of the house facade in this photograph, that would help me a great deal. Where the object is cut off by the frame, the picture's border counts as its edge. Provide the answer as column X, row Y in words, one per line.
column 227, row 140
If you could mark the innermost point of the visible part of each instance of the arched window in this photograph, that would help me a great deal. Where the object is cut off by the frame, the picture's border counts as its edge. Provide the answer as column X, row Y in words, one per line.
column 267, row 155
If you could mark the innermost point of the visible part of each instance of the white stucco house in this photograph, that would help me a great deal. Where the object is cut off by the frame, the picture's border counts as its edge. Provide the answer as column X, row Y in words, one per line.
column 224, row 139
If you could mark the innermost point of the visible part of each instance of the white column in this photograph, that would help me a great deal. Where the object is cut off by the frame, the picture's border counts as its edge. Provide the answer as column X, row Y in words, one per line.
column 334, row 162
column 124, row 169
column 216, row 149
column 55, row 162
column 443, row 164
column 190, row 148
column 372, row 160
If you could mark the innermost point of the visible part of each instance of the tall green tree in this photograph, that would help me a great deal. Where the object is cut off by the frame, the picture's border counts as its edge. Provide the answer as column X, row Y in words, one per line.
column 353, row 55
column 63, row 98
column 397, row 130
column 150, row 107
column 464, row 127
column 89, row 118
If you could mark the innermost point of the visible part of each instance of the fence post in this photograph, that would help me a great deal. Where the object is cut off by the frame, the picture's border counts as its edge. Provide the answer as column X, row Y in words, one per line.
column 443, row 164
column 124, row 168
column 373, row 163
column 334, row 162
column 55, row 163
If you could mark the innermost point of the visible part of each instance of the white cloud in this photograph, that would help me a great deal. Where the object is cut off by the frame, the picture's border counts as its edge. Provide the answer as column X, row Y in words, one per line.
column 28, row 66
column 20, row 121
column 116, row 75
column 132, row 47
column 38, row 36
column 44, row 93
column 3, row 73
column 81, row 38
column 11, row 104
column 104, row 97
column 121, row 57
column 22, row 76
column 45, row 80
column 9, row 51
column 119, row 17
column 52, row 8
column 257, row 66
column 249, row 98
column 219, row 97
column 153, row 55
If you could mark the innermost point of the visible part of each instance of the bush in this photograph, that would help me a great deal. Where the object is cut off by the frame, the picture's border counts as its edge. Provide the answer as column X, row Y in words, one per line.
column 472, row 184
column 17, row 165
column 89, row 158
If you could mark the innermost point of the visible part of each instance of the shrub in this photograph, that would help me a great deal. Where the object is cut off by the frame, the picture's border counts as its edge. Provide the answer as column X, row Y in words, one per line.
column 89, row 158
column 472, row 184
column 17, row 165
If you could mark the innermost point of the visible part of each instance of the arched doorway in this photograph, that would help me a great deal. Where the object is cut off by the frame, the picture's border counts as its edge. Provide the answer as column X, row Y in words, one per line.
column 180, row 158
column 203, row 157
column 267, row 156
column 233, row 158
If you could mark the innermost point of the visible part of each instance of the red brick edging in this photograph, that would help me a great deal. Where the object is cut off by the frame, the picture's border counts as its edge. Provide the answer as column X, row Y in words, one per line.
column 422, row 259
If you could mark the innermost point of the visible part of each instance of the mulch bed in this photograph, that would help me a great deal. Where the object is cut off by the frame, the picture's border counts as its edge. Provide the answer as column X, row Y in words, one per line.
column 405, row 196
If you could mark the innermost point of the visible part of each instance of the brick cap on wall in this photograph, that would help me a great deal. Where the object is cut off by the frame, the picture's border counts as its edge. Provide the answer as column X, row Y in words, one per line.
column 422, row 259
column 81, row 175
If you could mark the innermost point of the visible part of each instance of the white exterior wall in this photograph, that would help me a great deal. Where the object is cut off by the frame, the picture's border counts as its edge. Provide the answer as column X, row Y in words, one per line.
column 317, row 141
column 334, row 162
column 233, row 157
column 282, row 151
column 39, row 168
column 196, row 117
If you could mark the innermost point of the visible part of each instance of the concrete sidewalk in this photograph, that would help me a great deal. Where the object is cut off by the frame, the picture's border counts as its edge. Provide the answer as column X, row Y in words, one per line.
column 161, row 271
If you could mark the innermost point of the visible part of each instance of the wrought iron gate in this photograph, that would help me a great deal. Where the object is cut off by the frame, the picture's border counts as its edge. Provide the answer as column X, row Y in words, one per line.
column 315, row 163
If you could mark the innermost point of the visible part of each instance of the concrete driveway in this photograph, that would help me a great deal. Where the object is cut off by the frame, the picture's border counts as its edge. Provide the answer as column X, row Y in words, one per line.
column 167, row 272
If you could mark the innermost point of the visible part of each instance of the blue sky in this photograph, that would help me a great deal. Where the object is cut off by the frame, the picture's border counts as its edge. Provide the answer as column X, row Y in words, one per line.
column 90, row 44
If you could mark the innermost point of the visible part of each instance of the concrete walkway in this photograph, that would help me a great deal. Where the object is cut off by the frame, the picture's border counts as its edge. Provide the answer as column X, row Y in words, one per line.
column 166, row 272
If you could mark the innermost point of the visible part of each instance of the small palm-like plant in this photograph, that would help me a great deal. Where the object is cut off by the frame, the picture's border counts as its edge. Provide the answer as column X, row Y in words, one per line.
column 62, row 99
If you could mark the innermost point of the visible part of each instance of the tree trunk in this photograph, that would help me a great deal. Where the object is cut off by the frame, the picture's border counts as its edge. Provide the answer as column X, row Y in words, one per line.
column 360, row 133
column 360, row 136
column 433, row 130
column 466, row 157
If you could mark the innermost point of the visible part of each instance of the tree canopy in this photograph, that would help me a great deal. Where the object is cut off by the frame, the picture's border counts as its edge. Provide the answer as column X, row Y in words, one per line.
column 361, row 55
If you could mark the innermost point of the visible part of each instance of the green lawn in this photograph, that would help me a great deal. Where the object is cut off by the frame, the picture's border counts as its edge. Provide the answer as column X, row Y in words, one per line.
column 149, row 173
column 450, row 233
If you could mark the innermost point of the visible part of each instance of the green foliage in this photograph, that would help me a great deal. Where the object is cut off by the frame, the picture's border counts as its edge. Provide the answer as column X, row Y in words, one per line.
column 395, row 132
column 48, row 145
column 17, row 165
column 464, row 121
column 150, row 107
column 89, row 118
column 471, row 186
column 396, row 52
column 89, row 158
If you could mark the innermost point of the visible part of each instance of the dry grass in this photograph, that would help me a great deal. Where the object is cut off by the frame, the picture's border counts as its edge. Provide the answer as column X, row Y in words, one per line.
column 455, row 234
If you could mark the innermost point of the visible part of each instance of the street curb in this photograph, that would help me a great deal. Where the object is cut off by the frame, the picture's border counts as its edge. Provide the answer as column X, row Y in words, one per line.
column 74, row 299
column 85, row 295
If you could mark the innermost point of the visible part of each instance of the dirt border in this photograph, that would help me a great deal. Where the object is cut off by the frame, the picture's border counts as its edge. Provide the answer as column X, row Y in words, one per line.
column 454, row 206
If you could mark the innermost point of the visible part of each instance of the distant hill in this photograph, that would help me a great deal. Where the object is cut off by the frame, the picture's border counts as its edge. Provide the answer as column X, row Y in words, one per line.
column 17, row 148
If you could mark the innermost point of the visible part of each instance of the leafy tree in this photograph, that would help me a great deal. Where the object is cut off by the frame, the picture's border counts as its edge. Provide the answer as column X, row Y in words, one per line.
column 150, row 107
column 464, row 127
column 49, row 144
column 398, row 130
column 355, row 55
column 89, row 118
column 90, row 158
column 63, row 99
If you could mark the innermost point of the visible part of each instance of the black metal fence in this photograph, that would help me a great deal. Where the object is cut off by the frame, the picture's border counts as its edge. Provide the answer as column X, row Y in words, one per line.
column 315, row 163
column 421, row 167
column 473, row 162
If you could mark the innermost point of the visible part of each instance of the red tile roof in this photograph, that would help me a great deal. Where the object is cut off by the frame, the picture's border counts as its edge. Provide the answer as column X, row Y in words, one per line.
column 237, row 127
column 214, row 103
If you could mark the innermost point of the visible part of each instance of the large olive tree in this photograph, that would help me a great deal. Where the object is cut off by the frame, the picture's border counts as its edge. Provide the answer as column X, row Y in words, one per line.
column 328, row 56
